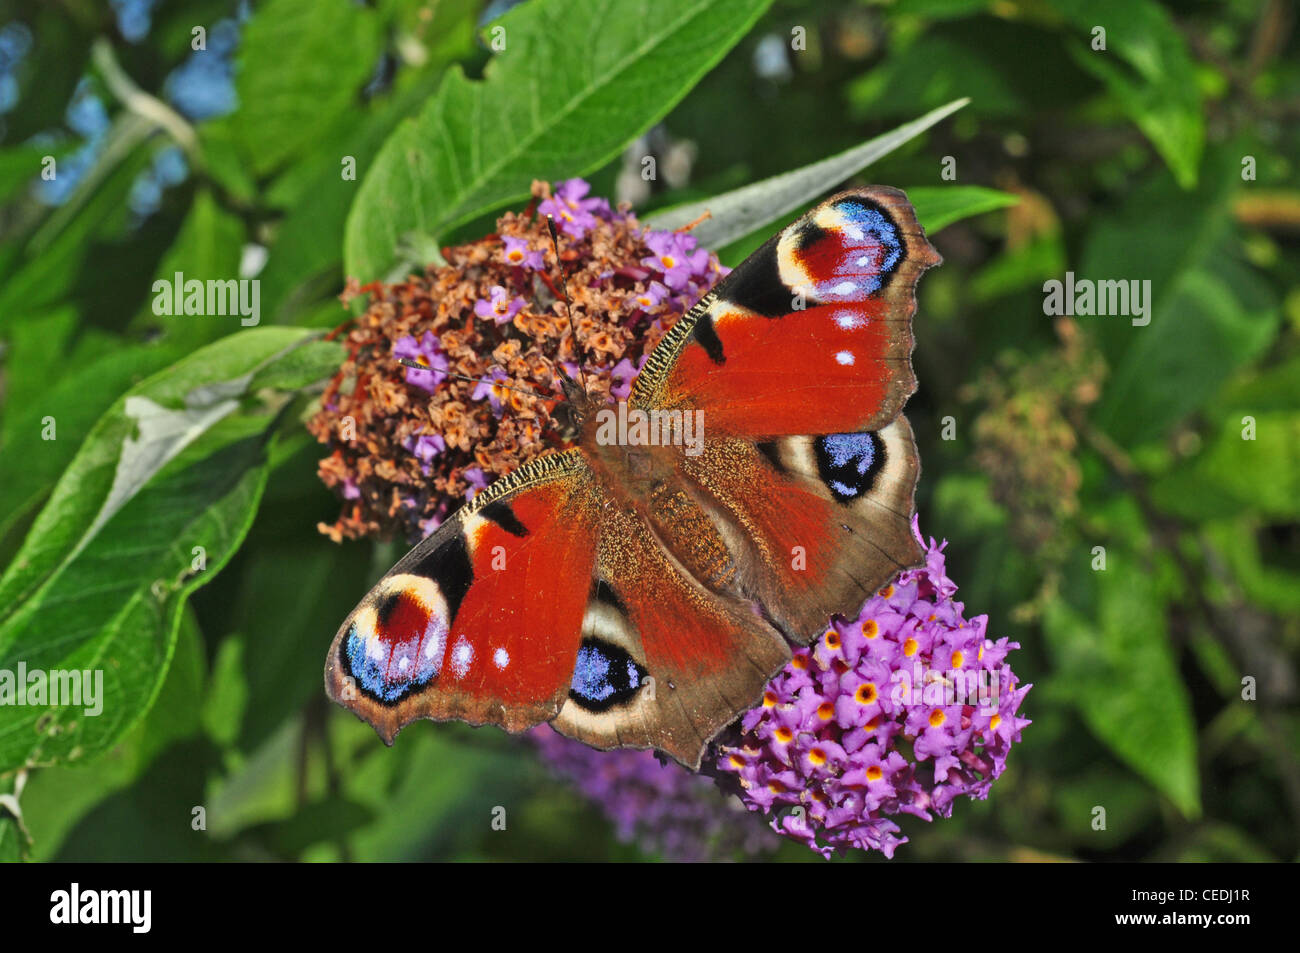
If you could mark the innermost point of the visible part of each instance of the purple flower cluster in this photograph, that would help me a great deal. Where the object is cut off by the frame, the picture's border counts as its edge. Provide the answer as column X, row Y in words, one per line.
column 900, row 710
column 665, row 809
column 426, row 352
column 573, row 212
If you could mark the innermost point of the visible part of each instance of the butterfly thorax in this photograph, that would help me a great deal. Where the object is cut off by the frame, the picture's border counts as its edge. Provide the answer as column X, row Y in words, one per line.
column 643, row 476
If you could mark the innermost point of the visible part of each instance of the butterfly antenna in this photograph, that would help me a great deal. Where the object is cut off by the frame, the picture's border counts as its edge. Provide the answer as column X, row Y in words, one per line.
column 568, row 305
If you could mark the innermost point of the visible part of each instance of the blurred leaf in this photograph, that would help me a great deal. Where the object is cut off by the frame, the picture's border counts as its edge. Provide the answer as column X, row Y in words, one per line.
column 20, row 166
column 301, row 63
column 208, row 247
column 1130, row 807
column 1271, row 587
column 575, row 82
column 55, row 254
column 997, row 64
column 227, row 699
column 1148, row 70
column 937, row 207
column 47, row 76
column 1110, row 641
column 1236, row 475
column 177, row 462
column 1020, row 268
column 1209, row 312
column 422, row 806
column 745, row 210
column 306, row 245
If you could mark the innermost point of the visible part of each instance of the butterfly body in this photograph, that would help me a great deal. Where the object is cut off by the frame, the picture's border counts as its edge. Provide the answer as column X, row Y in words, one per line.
column 641, row 588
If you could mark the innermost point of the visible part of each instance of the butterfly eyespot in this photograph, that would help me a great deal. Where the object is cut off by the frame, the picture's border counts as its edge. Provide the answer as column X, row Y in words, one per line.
column 605, row 675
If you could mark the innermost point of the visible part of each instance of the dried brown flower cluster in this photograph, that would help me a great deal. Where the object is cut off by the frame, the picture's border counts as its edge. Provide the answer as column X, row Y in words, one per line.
column 408, row 445
column 1026, row 438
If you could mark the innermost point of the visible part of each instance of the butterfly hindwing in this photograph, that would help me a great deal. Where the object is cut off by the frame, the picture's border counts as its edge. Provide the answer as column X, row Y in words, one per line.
column 480, row 622
column 819, row 522
column 665, row 661
column 810, row 334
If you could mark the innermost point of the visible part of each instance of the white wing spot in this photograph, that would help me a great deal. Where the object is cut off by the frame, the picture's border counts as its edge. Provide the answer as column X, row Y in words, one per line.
column 844, row 288
column 501, row 658
column 844, row 357
column 461, row 657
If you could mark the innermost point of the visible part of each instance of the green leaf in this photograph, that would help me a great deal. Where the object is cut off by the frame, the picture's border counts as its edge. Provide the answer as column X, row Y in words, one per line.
column 1110, row 641
column 575, row 82
column 301, row 64
column 71, row 389
column 55, row 255
column 1249, row 467
column 738, row 213
column 937, row 207
column 1209, row 312
column 208, row 247
column 59, row 797
column 305, row 257
column 1147, row 68
column 99, row 583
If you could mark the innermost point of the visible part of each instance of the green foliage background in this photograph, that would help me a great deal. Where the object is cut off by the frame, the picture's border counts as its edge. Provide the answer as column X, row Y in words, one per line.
column 1170, row 155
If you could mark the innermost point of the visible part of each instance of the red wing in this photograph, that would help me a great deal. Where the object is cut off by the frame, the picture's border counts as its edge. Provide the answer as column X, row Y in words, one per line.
column 481, row 621
column 811, row 334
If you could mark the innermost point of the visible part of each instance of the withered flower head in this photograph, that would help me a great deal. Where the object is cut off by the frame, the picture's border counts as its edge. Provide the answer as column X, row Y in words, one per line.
column 408, row 445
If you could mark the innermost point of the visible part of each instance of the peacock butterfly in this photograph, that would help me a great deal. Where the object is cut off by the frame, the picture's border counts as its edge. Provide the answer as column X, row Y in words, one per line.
column 640, row 592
